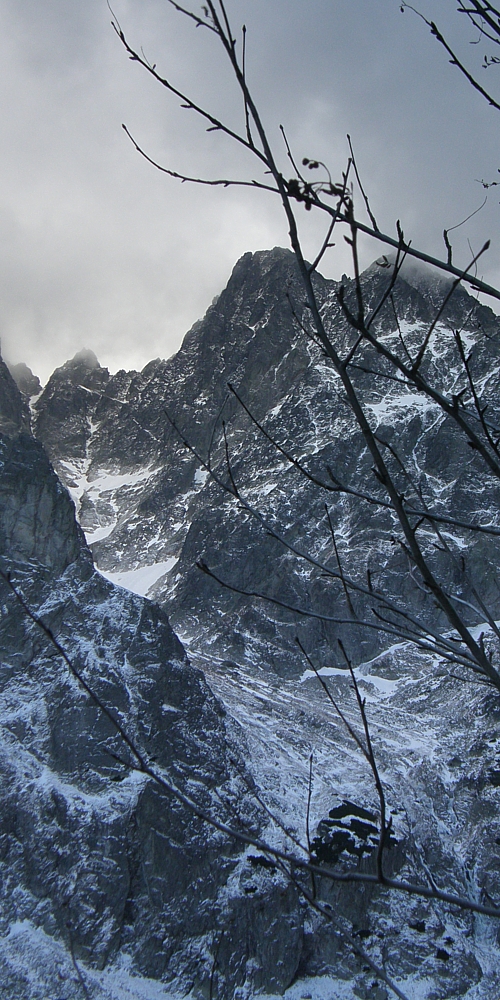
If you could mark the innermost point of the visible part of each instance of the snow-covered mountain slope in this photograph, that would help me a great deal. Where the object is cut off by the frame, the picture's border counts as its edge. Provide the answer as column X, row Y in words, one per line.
column 151, row 511
column 438, row 754
column 100, row 867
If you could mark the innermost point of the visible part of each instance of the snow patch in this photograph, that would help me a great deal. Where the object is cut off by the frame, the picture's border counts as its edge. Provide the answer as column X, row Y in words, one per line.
column 140, row 581
column 383, row 685
column 46, row 964
column 201, row 476
column 99, row 533
column 104, row 481
column 389, row 406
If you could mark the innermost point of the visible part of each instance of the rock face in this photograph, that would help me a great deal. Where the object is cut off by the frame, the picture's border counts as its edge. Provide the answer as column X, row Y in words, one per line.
column 70, row 398
column 151, row 511
column 95, row 858
column 13, row 410
column 37, row 522
column 27, row 383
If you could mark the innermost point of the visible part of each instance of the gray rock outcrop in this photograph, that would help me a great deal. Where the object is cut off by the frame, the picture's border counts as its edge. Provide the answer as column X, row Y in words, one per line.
column 95, row 858
column 28, row 384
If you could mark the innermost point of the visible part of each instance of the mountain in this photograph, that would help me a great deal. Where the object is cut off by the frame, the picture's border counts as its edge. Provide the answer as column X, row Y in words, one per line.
column 99, row 865
column 151, row 510
column 28, row 384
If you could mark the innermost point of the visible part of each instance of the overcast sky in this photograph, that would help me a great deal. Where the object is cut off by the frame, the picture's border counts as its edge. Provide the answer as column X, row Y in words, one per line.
column 99, row 250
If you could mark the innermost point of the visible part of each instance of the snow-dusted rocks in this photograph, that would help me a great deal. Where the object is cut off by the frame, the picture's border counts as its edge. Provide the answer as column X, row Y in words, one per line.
column 98, row 867
column 27, row 383
column 151, row 510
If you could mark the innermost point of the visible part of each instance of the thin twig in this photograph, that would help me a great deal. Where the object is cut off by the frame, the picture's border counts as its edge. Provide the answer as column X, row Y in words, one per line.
column 481, row 410
column 308, row 816
column 185, row 178
column 385, row 826
column 228, row 463
column 77, row 967
column 361, row 188
column 475, row 653
column 451, row 291
column 337, row 556
column 455, row 61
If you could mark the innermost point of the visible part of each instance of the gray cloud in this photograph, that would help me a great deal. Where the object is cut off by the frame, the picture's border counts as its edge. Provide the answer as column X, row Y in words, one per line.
column 100, row 250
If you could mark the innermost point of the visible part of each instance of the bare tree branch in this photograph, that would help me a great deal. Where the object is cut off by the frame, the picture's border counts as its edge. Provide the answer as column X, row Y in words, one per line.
column 220, row 182
column 455, row 61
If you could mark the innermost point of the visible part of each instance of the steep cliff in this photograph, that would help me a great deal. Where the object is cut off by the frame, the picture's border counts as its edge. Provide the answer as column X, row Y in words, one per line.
column 28, row 384
column 99, row 866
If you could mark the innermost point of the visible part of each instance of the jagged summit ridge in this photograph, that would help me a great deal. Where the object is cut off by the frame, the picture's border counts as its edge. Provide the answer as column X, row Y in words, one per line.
column 165, row 512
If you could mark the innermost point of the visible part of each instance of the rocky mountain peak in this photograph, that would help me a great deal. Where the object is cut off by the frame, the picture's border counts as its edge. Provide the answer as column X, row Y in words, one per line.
column 37, row 520
column 64, row 409
column 28, row 384
column 83, row 369
column 165, row 511
column 14, row 416
column 85, row 358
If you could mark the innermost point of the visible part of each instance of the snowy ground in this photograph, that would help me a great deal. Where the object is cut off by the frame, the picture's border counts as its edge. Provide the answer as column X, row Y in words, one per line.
column 41, row 961
column 140, row 581
column 426, row 730
column 28, row 953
